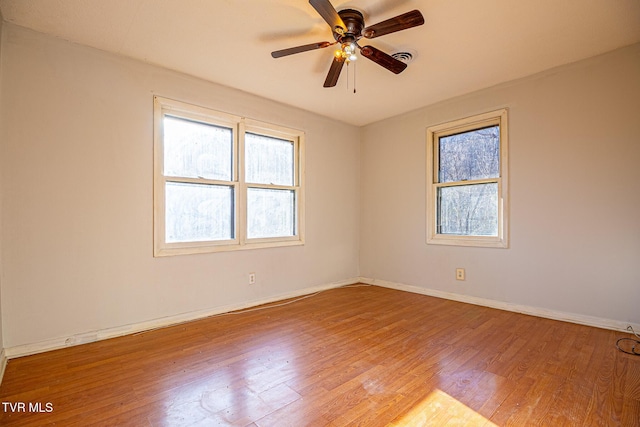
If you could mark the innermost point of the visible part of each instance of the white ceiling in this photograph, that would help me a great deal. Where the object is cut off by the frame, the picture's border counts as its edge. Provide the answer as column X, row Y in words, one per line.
column 465, row 45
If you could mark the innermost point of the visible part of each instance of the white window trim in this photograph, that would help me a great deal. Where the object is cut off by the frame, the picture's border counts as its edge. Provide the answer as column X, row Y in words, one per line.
column 457, row 126
column 239, row 124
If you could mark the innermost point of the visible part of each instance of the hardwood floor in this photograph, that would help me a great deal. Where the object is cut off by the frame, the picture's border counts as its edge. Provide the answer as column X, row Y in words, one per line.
column 363, row 355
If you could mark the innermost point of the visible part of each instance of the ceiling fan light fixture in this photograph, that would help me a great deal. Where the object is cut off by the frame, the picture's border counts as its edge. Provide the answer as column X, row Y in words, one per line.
column 347, row 52
column 349, row 48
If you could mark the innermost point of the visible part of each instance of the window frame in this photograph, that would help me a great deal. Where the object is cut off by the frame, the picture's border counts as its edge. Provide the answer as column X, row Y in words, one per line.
column 239, row 125
column 467, row 124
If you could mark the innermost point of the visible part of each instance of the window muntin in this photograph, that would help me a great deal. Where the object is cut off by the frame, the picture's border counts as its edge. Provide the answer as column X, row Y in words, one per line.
column 223, row 182
column 466, row 188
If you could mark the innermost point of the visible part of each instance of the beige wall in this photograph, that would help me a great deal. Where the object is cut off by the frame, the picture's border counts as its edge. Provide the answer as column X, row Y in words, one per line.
column 574, row 186
column 76, row 162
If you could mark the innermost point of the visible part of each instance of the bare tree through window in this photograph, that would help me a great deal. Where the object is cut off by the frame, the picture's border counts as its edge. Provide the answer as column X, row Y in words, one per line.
column 469, row 209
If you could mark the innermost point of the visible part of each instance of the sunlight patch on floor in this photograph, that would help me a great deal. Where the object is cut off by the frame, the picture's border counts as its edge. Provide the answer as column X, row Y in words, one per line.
column 439, row 409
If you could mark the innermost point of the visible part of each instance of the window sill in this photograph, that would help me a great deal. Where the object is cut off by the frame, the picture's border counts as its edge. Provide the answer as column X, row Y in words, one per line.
column 471, row 241
column 203, row 249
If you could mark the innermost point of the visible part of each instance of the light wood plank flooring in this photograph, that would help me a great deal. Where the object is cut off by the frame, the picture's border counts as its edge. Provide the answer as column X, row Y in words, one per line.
column 353, row 356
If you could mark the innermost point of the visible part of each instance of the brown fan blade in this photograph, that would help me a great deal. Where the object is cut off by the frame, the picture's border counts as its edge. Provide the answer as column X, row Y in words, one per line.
column 328, row 13
column 381, row 58
column 334, row 72
column 298, row 49
column 400, row 22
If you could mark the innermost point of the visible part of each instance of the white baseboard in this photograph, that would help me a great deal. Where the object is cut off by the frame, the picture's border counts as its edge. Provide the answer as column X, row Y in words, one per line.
column 57, row 343
column 580, row 319
column 3, row 364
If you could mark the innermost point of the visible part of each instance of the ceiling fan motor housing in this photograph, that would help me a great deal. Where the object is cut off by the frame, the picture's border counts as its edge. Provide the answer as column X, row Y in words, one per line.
column 354, row 22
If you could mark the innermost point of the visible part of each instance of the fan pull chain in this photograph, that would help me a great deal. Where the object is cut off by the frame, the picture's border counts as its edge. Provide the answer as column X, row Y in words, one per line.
column 354, row 78
column 347, row 76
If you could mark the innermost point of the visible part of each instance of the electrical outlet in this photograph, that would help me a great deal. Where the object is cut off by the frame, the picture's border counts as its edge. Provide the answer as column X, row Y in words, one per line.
column 252, row 278
column 460, row 275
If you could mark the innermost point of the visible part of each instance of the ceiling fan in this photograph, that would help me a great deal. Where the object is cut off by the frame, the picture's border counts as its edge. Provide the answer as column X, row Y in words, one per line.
column 348, row 27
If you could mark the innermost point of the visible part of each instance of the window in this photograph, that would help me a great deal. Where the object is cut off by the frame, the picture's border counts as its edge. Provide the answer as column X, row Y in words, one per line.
column 467, row 181
column 224, row 182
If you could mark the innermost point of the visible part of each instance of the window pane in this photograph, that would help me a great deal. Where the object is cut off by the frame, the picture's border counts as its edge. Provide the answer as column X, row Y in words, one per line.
column 470, row 210
column 470, row 155
column 268, row 160
column 197, row 212
column 270, row 213
column 197, row 150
